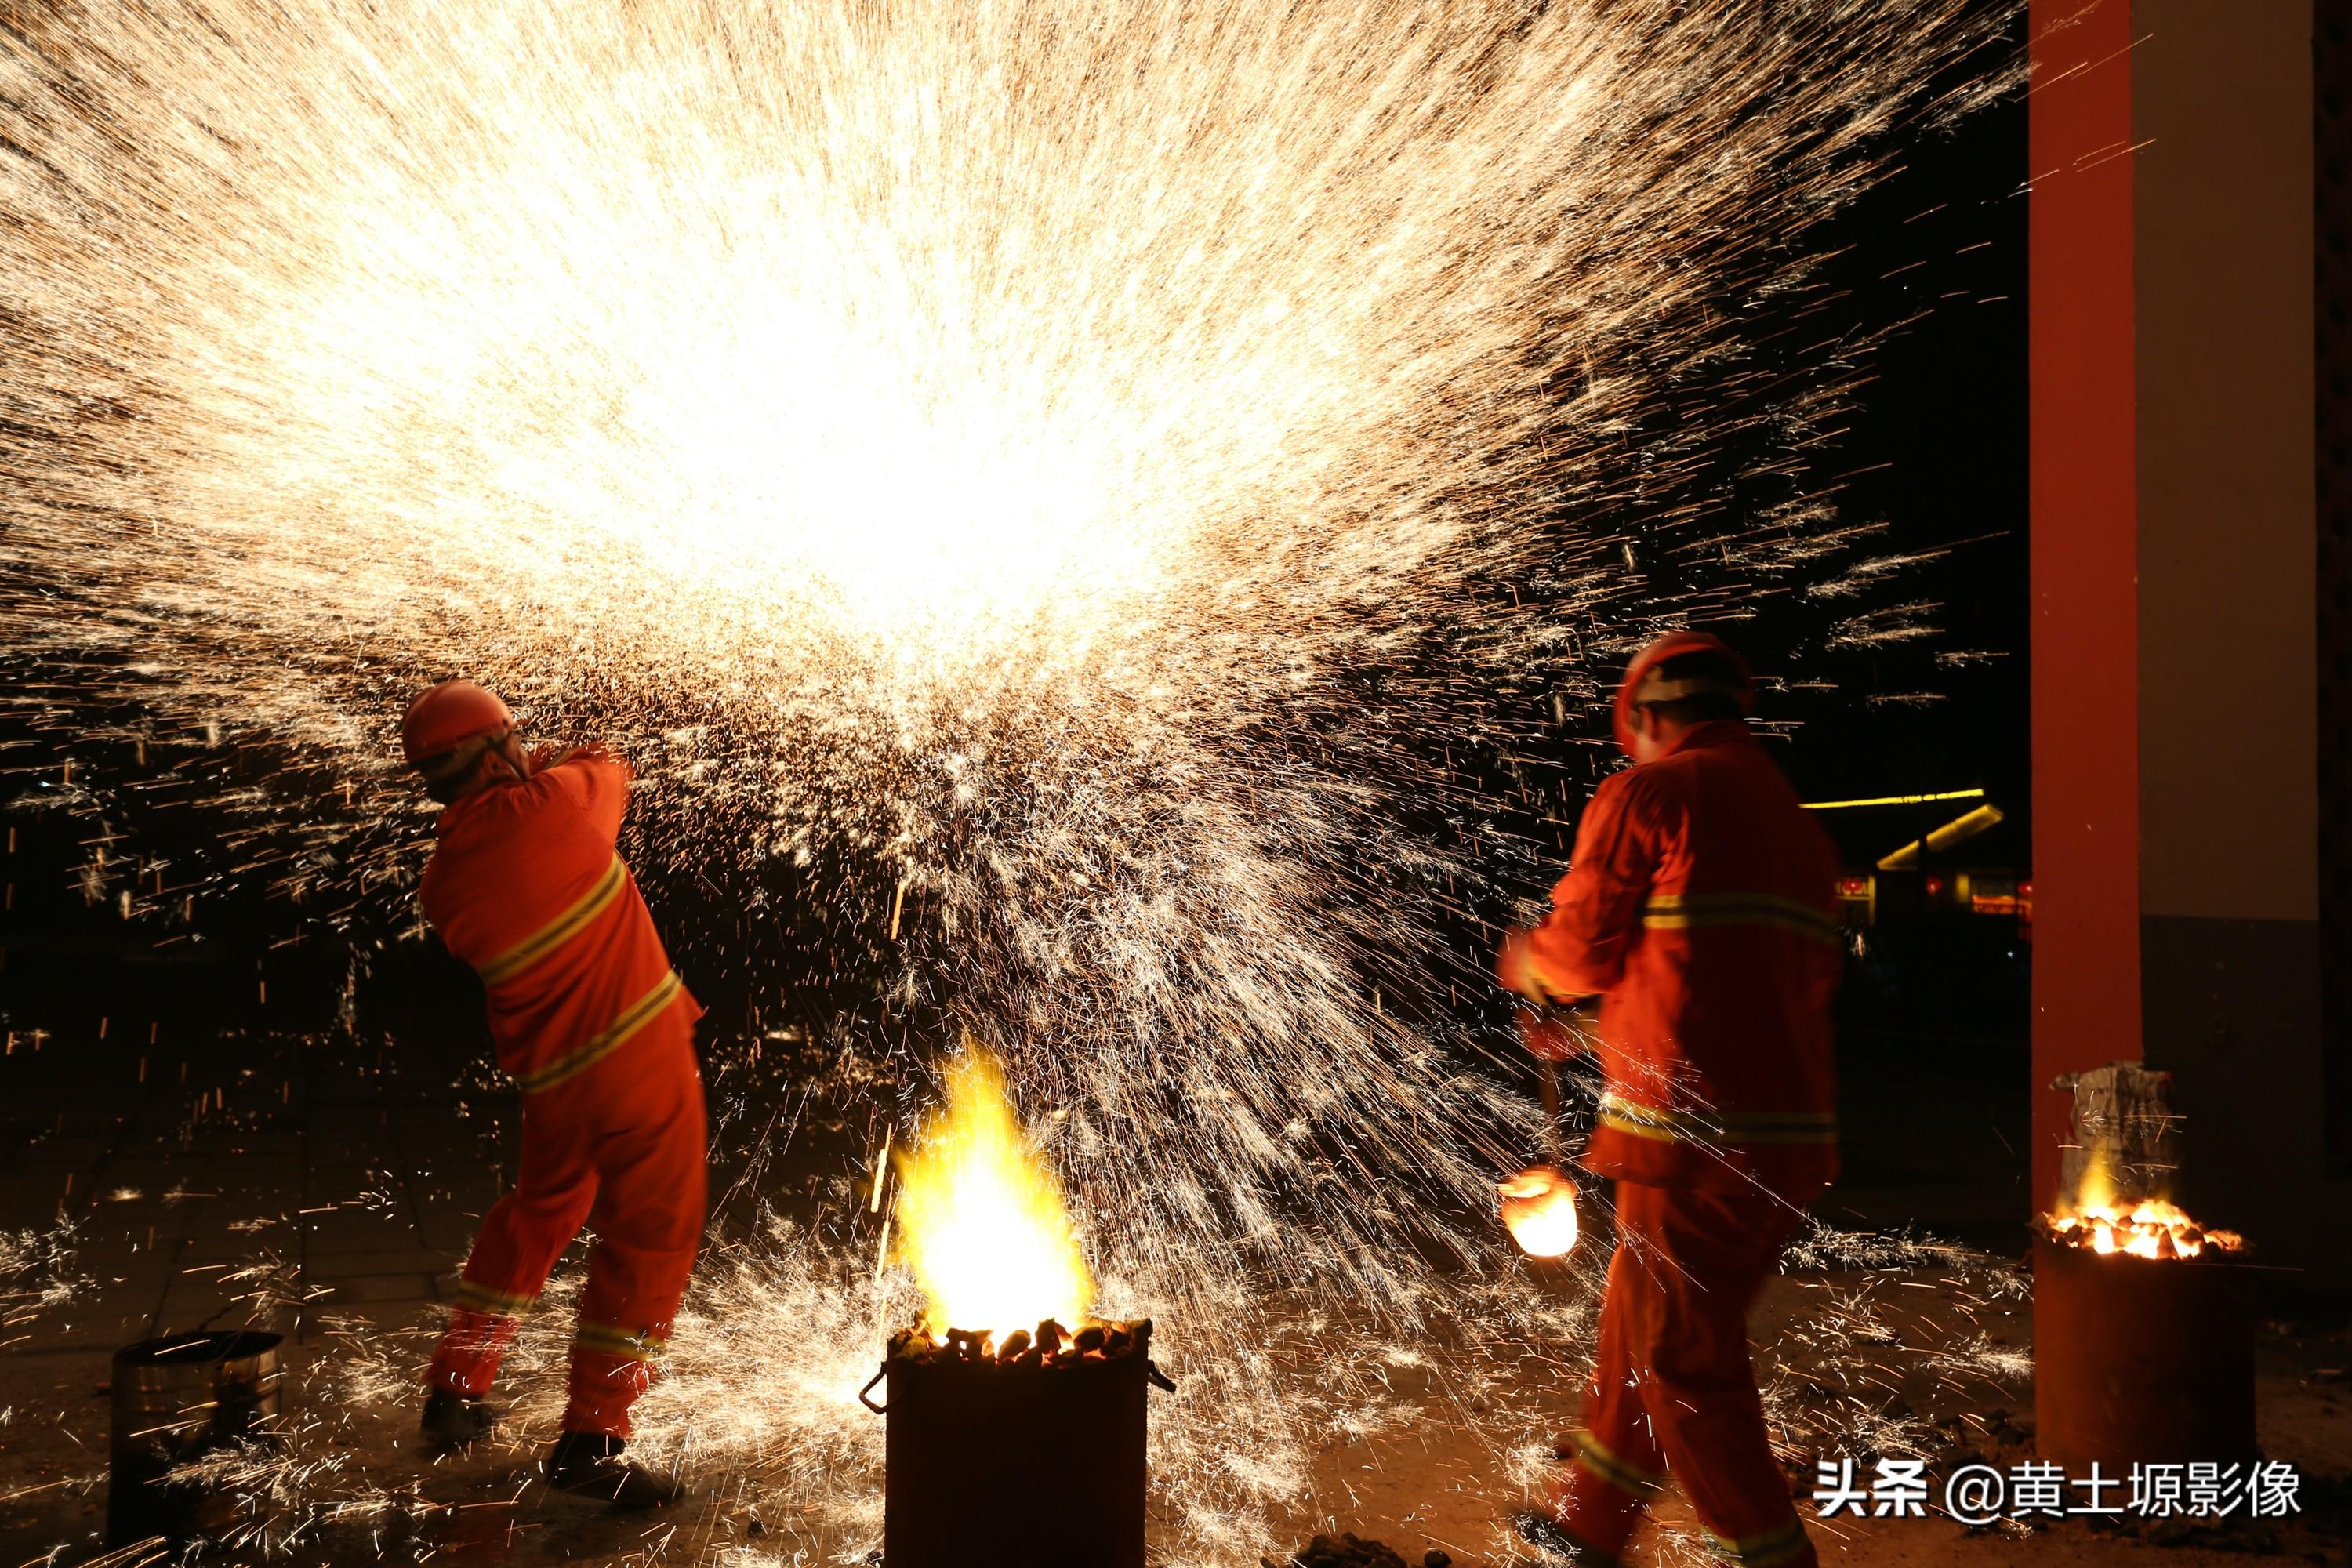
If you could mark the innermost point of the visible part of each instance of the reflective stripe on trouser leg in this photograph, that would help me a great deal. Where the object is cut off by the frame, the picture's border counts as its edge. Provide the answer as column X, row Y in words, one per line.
column 1776, row 1548
column 648, row 1222
column 521, row 1236
column 478, row 1297
column 1707, row 1255
column 1597, row 1501
column 1611, row 1467
column 606, row 1382
column 466, row 1360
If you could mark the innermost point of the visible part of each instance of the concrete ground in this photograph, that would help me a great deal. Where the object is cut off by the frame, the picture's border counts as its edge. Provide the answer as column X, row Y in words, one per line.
column 332, row 1188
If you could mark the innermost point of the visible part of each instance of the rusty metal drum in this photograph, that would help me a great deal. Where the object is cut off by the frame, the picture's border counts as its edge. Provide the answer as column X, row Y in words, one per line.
column 2141, row 1360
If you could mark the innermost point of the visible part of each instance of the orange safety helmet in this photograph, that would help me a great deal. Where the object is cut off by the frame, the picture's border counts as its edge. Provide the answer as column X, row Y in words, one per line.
column 447, row 715
column 1674, row 645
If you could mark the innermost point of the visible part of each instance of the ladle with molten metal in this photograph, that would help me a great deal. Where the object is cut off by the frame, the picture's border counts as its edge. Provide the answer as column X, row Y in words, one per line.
column 1539, row 1202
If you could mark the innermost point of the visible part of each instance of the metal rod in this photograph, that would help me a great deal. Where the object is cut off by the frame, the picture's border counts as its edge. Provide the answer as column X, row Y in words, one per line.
column 1549, row 1084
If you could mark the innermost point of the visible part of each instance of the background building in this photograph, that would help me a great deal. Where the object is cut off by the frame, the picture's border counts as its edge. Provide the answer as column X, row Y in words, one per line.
column 2192, row 471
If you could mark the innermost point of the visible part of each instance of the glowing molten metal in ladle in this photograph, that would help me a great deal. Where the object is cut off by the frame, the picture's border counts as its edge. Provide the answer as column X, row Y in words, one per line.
column 1540, row 1208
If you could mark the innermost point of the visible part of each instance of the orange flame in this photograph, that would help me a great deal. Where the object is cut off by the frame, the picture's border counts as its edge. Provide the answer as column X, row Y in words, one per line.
column 2151, row 1227
column 980, row 1220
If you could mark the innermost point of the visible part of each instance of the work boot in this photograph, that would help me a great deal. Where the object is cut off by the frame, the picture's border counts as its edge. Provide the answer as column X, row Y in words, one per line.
column 1543, row 1533
column 453, row 1420
column 589, row 1465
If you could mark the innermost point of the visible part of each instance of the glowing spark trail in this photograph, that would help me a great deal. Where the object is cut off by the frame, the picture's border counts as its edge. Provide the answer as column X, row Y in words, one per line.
column 1060, row 478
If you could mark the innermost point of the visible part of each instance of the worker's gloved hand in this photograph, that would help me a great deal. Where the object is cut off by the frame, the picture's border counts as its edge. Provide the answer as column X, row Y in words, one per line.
column 1552, row 1038
column 546, row 757
column 1515, row 968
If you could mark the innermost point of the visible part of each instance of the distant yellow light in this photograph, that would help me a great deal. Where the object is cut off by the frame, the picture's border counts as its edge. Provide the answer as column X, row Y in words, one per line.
column 1956, row 831
column 1894, row 800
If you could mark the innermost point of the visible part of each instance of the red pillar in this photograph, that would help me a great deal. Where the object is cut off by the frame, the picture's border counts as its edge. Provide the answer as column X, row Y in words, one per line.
column 2085, row 554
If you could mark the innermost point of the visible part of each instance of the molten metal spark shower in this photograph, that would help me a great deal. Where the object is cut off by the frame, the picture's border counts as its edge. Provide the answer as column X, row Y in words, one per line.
column 1062, row 485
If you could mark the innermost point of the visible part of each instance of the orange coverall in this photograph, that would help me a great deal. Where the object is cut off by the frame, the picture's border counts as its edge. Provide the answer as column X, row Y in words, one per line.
column 1701, row 906
column 597, row 1031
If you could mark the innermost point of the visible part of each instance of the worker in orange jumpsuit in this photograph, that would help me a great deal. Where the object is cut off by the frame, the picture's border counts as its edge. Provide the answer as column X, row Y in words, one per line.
column 597, row 1031
column 1701, row 907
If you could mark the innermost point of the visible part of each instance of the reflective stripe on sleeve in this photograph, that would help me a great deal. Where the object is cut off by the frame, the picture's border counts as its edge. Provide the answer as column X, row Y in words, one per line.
column 1715, row 1129
column 1689, row 911
column 560, row 929
column 634, row 1017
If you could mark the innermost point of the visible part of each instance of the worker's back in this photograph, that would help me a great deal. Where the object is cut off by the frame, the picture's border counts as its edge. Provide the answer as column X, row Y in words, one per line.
column 1703, row 905
column 527, row 887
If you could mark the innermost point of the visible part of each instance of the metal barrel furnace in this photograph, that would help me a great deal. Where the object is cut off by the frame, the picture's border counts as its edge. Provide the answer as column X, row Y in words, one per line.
column 2143, row 1318
column 1028, row 1454
column 177, row 1399
column 2141, row 1360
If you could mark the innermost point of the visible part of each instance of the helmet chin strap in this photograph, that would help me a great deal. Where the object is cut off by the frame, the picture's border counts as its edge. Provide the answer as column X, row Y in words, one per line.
column 497, row 751
column 491, row 765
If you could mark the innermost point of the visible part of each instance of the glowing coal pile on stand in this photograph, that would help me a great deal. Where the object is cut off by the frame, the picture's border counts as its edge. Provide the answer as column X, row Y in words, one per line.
column 2122, row 1154
column 979, row 1416
column 2143, row 1320
column 2151, row 1227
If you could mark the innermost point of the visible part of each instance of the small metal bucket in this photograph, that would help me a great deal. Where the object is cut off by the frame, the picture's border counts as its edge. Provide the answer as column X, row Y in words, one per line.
column 177, row 1399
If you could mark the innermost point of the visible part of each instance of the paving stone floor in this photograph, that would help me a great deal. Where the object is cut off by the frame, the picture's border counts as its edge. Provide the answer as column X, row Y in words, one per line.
column 306, row 1182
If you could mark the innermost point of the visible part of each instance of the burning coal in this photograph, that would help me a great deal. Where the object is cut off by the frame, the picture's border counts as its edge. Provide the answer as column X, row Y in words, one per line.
column 1051, row 1345
column 2152, row 1228
column 2097, row 1219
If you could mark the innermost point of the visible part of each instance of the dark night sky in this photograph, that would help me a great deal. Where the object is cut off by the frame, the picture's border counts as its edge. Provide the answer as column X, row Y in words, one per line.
column 1946, row 414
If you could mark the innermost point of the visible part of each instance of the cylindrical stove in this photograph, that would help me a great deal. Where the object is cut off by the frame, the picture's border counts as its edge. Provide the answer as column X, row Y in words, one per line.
column 2141, row 1360
column 1030, row 1455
